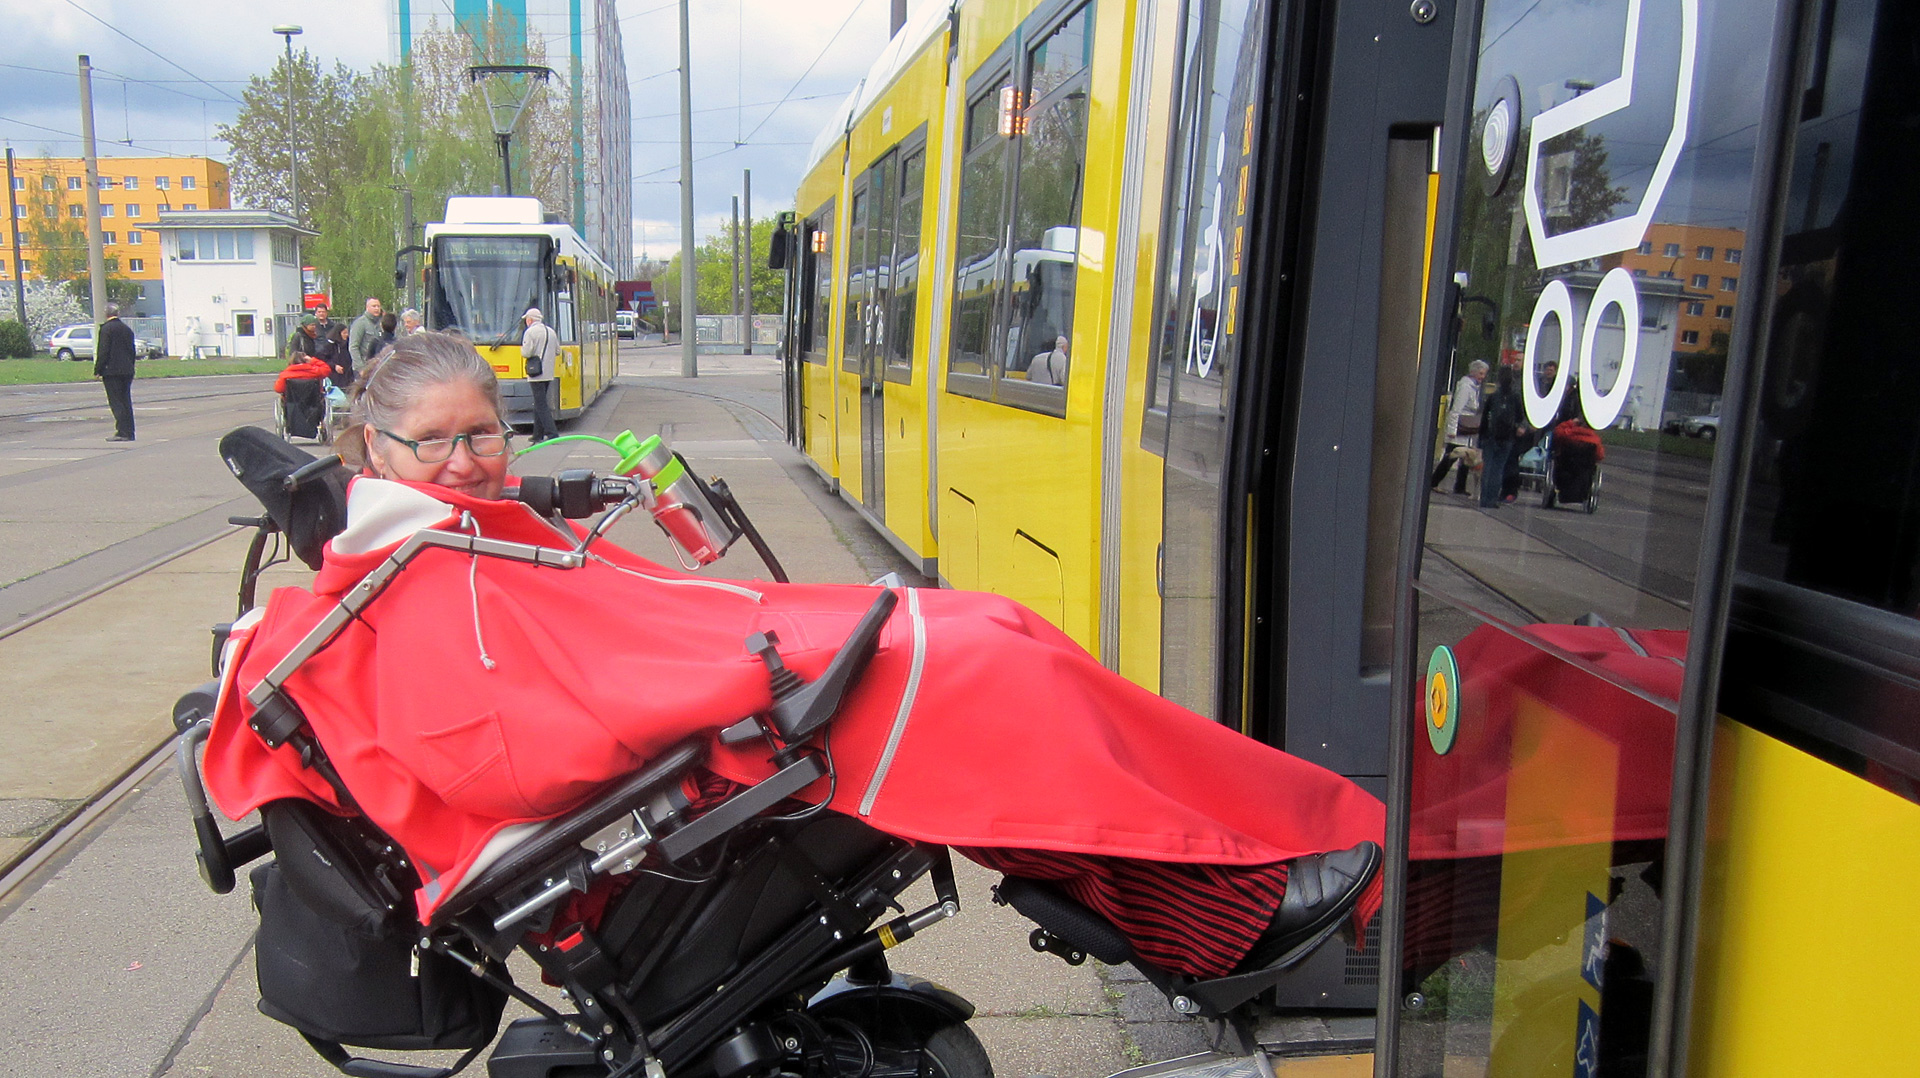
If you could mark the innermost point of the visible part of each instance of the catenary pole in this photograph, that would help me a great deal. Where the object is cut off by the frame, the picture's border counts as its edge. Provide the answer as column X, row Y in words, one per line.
column 735, row 251
column 746, row 259
column 689, row 362
column 287, row 31
column 13, row 215
column 96, row 254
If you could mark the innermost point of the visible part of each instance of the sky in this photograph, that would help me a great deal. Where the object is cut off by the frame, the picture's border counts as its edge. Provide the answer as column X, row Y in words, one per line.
column 173, row 73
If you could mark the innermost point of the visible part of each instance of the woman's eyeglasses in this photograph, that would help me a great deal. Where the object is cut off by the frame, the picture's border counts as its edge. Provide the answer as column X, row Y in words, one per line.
column 440, row 450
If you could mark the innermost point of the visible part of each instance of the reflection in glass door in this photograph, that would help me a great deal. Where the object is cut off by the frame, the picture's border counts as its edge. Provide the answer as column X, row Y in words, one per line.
column 1596, row 245
column 877, row 262
column 1194, row 377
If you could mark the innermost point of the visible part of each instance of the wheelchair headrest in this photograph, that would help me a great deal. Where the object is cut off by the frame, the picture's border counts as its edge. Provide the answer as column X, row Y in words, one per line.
column 312, row 513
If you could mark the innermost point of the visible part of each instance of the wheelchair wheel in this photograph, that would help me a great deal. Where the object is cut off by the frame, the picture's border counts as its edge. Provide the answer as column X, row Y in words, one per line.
column 895, row 1052
column 1593, row 493
column 1546, row 493
column 279, row 415
column 954, row 1052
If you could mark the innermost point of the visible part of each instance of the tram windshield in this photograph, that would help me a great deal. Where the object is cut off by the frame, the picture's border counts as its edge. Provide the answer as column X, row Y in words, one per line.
column 483, row 284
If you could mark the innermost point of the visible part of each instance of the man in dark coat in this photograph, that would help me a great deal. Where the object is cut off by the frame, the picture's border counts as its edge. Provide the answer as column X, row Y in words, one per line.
column 113, row 360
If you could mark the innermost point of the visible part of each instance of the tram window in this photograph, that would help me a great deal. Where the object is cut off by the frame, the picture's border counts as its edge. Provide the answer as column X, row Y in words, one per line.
column 1825, row 620
column 854, row 318
column 483, row 284
column 819, row 284
column 563, row 320
column 977, row 281
column 906, row 269
column 1046, row 219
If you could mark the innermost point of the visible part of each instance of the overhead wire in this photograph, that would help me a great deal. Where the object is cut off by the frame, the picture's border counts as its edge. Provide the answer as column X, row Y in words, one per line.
column 803, row 75
column 72, row 137
column 162, row 59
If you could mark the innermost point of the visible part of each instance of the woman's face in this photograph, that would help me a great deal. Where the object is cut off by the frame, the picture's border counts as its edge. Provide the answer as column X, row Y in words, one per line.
column 446, row 411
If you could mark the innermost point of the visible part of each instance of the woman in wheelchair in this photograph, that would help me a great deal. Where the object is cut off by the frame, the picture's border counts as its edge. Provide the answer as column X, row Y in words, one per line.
column 479, row 693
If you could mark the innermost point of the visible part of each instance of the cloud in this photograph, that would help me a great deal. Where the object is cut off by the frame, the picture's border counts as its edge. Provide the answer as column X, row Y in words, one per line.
column 747, row 54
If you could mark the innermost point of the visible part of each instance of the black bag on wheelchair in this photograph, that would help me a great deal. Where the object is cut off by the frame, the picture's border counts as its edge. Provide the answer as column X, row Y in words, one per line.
column 336, row 954
column 304, row 404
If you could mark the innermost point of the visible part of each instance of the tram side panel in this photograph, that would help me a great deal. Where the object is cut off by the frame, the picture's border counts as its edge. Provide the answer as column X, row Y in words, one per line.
column 1017, row 418
column 896, row 147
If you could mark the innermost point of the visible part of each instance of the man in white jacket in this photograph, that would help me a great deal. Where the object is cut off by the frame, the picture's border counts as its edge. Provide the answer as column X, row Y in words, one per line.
column 540, row 346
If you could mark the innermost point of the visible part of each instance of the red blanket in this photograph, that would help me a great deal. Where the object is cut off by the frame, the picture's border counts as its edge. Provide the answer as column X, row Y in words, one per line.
column 1015, row 736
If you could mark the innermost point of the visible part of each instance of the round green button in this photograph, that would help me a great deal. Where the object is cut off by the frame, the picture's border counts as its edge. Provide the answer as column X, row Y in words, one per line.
column 1443, row 699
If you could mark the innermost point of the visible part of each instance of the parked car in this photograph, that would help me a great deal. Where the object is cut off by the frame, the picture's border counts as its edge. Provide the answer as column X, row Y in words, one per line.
column 71, row 342
column 1706, row 427
column 626, row 324
column 76, row 342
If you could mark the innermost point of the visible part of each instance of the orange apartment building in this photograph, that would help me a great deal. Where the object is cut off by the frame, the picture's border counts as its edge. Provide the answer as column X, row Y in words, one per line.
column 133, row 191
column 1707, row 263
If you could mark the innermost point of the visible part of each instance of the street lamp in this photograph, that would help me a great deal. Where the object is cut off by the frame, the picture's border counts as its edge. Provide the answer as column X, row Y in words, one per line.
column 288, row 30
column 507, row 88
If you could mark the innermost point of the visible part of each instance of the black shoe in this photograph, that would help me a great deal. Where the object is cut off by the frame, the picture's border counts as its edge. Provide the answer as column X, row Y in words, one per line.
column 121, row 438
column 1321, row 891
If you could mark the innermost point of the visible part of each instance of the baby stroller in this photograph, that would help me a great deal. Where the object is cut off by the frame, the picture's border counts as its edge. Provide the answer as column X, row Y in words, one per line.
column 308, row 408
column 1573, row 468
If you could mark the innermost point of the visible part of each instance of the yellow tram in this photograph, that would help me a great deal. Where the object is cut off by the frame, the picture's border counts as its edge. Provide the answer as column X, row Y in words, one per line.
column 491, row 260
column 1150, row 314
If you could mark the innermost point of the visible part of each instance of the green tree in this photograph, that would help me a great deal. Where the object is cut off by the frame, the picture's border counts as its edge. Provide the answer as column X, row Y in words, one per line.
column 713, row 283
column 324, row 106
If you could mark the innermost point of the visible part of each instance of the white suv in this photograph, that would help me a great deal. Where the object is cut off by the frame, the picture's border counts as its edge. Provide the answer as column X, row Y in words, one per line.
column 76, row 342
column 71, row 342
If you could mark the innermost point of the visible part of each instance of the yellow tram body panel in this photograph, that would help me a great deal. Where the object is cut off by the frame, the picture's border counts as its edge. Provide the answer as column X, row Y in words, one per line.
column 910, row 108
column 1807, row 926
column 1007, row 499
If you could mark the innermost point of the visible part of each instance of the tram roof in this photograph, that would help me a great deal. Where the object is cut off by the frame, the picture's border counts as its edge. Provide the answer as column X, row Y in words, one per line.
column 481, row 215
column 922, row 26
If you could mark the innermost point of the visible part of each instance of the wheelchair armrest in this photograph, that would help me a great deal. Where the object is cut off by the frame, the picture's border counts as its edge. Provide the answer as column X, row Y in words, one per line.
column 565, row 833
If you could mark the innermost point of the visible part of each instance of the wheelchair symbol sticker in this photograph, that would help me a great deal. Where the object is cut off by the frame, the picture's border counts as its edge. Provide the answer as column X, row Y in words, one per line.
column 1443, row 699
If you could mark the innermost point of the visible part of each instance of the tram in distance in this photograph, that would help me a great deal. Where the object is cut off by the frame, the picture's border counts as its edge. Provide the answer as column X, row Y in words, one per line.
column 1154, row 315
column 491, row 260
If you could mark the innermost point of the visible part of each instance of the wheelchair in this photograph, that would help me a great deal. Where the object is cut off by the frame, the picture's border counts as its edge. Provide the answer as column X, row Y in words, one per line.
column 308, row 409
column 727, row 933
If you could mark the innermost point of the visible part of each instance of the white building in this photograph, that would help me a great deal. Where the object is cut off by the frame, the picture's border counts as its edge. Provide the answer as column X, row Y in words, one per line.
column 1660, row 300
column 232, row 280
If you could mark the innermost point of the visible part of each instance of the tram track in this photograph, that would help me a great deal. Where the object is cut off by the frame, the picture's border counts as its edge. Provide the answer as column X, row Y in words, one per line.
column 9, row 409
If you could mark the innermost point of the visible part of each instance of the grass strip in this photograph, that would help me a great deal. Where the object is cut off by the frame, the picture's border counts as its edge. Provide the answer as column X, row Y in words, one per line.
column 22, row 372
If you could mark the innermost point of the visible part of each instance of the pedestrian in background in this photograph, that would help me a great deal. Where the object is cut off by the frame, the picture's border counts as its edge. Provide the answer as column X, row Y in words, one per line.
column 540, row 346
column 1463, row 426
column 389, row 329
column 113, row 364
column 363, row 339
column 1501, row 420
column 410, row 322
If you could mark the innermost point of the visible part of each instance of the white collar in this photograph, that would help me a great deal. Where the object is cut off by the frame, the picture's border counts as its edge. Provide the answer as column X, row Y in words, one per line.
column 381, row 513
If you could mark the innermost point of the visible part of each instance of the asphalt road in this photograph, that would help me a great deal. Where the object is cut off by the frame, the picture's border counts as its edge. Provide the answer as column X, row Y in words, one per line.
column 77, row 511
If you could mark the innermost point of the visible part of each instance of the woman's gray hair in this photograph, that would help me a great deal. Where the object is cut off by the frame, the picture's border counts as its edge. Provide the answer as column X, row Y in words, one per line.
column 1478, row 366
column 401, row 377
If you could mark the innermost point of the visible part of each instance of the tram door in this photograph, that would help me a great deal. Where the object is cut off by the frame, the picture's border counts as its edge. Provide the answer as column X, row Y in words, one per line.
column 1591, row 271
column 883, row 191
